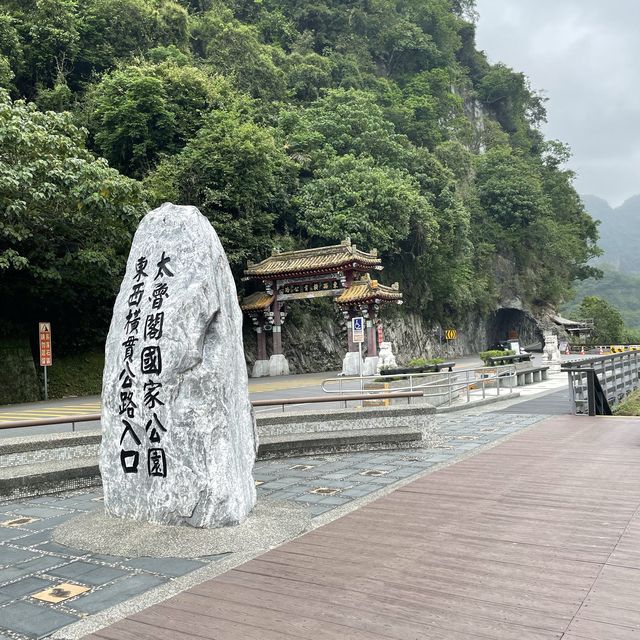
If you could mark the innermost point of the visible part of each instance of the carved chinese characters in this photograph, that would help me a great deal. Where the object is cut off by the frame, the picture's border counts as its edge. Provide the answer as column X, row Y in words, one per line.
column 148, row 407
column 178, row 432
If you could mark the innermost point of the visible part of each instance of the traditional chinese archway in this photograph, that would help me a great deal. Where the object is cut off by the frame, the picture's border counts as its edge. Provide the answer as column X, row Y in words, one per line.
column 339, row 271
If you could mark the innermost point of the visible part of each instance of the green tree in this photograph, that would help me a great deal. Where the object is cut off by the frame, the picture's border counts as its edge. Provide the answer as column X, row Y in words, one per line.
column 11, row 54
column 510, row 190
column 234, row 49
column 114, row 30
column 607, row 321
column 374, row 205
column 141, row 111
column 51, row 42
column 67, row 219
column 237, row 174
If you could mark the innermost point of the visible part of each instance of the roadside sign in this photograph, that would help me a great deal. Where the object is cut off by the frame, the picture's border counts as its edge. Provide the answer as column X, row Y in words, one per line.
column 357, row 330
column 380, row 334
column 46, row 358
column 450, row 334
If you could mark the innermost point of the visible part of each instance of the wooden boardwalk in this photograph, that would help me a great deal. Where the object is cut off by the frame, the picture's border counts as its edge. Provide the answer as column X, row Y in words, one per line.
column 536, row 538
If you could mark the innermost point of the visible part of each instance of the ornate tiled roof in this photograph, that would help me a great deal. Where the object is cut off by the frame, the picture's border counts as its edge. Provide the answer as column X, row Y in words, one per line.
column 258, row 301
column 368, row 290
column 309, row 261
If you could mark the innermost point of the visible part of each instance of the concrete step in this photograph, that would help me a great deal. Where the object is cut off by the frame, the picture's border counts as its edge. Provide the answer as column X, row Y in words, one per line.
column 48, row 477
column 296, row 444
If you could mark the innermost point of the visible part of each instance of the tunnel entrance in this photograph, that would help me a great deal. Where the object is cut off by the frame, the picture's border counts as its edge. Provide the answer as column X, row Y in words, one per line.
column 513, row 324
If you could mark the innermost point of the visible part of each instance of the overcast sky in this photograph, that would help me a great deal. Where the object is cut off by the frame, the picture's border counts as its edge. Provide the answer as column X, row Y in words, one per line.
column 584, row 55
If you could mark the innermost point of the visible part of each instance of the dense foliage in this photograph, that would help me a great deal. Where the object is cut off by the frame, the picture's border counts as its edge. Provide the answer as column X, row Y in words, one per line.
column 290, row 124
column 608, row 325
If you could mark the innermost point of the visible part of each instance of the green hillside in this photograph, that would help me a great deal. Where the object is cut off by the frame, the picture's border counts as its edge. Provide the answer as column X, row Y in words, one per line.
column 288, row 123
column 619, row 231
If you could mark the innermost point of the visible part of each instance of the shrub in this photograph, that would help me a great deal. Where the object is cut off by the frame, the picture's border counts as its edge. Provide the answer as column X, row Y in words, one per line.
column 495, row 353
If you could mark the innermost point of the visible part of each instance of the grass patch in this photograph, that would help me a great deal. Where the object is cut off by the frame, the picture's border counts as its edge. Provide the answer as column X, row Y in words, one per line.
column 76, row 375
column 630, row 406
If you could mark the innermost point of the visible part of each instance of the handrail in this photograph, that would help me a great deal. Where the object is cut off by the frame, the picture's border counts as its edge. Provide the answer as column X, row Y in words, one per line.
column 94, row 417
column 373, row 394
column 501, row 371
column 587, row 362
column 454, row 382
column 597, row 384
column 42, row 422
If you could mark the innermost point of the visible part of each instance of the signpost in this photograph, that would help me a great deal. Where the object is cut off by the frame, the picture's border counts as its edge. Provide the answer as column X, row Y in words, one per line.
column 45, row 352
column 380, row 334
column 450, row 334
column 357, row 335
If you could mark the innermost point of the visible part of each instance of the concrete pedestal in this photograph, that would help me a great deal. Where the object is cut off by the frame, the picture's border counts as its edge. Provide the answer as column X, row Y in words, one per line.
column 554, row 367
column 278, row 365
column 370, row 367
column 351, row 364
column 260, row 369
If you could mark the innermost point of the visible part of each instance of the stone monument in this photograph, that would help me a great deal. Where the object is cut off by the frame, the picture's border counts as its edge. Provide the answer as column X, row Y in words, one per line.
column 178, row 432
column 551, row 352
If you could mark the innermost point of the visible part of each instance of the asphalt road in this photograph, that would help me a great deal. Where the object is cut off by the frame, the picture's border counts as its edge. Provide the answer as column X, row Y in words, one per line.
column 284, row 387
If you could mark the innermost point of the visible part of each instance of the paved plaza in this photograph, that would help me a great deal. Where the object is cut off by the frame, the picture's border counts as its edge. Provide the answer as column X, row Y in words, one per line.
column 32, row 564
column 537, row 538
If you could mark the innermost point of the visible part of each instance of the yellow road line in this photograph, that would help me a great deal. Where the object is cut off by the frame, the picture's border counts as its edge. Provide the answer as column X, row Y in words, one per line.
column 10, row 417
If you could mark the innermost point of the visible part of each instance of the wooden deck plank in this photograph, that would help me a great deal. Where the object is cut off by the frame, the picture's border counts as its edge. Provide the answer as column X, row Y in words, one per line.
column 399, row 621
column 601, row 631
column 197, row 612
column 395, row 601
column 534, row 539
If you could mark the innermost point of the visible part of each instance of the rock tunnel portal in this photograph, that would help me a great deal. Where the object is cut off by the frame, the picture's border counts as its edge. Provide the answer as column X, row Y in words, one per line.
column 513, row 324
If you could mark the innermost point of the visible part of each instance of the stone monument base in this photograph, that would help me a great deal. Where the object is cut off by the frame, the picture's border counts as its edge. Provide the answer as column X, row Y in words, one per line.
column 351, row 364
column 278, row 365
column 260, row 369
column 269, row 524
column 370, row 367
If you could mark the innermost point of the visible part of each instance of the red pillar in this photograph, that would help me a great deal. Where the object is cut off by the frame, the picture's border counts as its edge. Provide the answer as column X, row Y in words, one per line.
column 262, row 343
column 372, row 341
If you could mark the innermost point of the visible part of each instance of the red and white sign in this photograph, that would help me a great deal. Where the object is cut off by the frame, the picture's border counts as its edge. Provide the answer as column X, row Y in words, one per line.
column 380, row 335
column 46, row 358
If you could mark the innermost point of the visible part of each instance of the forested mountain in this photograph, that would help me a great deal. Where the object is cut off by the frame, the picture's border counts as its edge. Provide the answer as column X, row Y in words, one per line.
column 619, row 231
column 289, row 123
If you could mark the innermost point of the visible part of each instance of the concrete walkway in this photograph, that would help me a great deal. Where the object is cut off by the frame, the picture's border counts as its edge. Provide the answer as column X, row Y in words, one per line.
column 537, row 538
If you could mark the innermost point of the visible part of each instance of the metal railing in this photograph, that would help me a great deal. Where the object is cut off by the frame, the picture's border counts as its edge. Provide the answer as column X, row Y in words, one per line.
column 94, row 417
column 596, row 385
column 444, row 387
column 41, row 422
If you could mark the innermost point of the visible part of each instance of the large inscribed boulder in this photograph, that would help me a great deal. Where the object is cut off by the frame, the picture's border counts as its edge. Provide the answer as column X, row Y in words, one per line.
column 178, row 432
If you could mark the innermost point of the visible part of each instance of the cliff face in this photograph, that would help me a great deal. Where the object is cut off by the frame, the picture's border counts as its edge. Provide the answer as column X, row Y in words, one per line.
column 315, row 336
column 318, row 341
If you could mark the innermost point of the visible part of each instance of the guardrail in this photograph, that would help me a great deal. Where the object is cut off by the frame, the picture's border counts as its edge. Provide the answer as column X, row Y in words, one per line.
column 444, row 387
column 94, row 417
column 597, row 384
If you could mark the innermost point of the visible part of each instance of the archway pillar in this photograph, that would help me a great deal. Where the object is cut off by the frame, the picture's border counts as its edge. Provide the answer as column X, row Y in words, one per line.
column 370, row 366
column 278, row 363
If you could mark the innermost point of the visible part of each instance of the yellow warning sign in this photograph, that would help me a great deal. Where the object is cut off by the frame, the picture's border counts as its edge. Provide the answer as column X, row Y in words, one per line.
column 450, row 334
